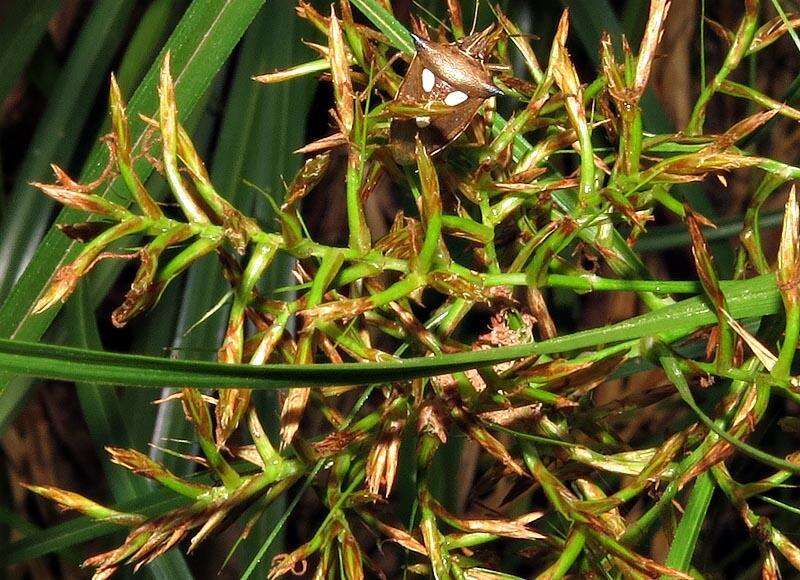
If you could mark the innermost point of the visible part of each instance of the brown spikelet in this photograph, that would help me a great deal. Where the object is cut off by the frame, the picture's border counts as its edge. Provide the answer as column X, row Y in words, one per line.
column 772, row 31
column 512, row 415
column 395, row 534
column 61, row 287
column 87, row 202
column 612, row 517
column 654, row 30
column 145, row 289
column 196, row 410
column 770, row 570
column 432, row 419
column 323, row 145
column 486, row 440
column 337, row 441
column 340, row 69
column 522, row 44
column 383, row 458
column 510, row 528
column 788, row 270
column 233, row 403
column 68, row 500
column 351, row 556
column 292, row 411
column 703, row 259
column 141, row 464
column 122, row 148
column 340, row 310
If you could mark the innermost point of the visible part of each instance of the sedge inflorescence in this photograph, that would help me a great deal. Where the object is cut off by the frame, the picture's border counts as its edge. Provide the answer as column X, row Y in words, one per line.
column 557, row 196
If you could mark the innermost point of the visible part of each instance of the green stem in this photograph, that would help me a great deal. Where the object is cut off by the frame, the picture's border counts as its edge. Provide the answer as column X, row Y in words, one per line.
column 328, row 268
column 587, row 182
column 591, row 282
column 739, row 47
column 783, row 366
column 569, row 554
column 685, row 540
column 230, row 479
column 356, row 222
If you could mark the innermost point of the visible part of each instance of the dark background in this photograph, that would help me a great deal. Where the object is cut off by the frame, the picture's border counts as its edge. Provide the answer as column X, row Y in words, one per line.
column 53, row 106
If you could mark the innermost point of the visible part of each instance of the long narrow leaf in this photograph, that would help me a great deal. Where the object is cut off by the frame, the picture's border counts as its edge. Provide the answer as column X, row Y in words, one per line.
column 104, row 418
column 84, row 73
column 83, row 529
column 202, row 41
column 263, row 124
column 685, row 542
column 750, row 298
column 23, row 27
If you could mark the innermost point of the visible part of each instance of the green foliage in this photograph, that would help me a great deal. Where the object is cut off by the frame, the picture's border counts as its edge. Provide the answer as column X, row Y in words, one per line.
column 439, row 346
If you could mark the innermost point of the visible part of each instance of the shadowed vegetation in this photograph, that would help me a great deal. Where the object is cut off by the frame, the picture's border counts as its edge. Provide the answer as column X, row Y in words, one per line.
column 480, row 324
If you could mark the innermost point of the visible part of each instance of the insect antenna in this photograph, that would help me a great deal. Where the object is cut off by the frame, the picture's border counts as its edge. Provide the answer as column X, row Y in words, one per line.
column 374, row 78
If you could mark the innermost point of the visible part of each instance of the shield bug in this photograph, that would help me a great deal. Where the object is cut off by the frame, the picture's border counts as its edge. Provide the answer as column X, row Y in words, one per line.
column 452, row 77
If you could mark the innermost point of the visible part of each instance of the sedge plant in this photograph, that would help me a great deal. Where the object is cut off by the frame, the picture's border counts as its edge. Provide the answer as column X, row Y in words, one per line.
column 554, row 198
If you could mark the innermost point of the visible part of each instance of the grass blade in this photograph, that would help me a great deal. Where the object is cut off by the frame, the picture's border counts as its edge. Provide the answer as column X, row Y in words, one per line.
column 275, row 125
column 104, row 417
column 84, row 73
column 199, row 45
column 750, row 298
column 398, row 35
column 685, row 542
column 151, row 32
column 24, row 25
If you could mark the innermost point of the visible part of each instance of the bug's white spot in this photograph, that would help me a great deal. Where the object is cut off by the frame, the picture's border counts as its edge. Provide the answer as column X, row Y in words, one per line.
column 422, row 122
column 455, row 98
column 428, row 80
